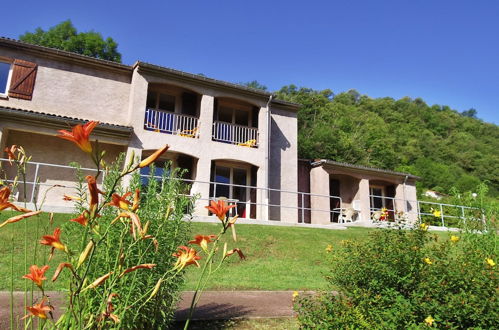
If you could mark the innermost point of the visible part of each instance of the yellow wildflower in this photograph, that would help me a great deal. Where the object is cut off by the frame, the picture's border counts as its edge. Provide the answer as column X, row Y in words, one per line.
column 490, row 262
column 423, row 226
column 454, row 239
column 429, row 321
column 329, row 248
column 428, row 261
column 295, row 294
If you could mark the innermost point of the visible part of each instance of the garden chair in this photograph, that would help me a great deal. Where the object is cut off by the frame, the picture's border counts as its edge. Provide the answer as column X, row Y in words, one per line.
column 348, row 215
column 249, row 143
column 191, row 133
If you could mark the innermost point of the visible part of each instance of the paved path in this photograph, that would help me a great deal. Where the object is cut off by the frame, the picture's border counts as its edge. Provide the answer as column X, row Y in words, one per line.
column 213, row 305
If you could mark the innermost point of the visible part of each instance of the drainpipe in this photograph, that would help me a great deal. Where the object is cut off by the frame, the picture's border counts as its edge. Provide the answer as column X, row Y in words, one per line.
column 405, row 199
column 267, row 156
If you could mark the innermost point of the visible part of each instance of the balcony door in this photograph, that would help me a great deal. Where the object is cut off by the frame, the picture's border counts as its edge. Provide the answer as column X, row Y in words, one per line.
column 231, row 183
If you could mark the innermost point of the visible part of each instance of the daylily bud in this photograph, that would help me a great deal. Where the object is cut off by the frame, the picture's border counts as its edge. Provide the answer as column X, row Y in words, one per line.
column 60, row 268
column 85, row 253
column 156, row 289
column 153, row 157
column 98, row 282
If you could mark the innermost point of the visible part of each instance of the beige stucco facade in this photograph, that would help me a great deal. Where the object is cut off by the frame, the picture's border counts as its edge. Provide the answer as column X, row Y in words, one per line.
column 354, row 187
column 77, row 87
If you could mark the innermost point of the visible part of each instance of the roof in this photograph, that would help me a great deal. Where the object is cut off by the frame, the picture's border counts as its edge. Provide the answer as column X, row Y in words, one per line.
column 214, row 82
column 320, row 162
column 44, row 51
column 58, row 121
column 62, row 54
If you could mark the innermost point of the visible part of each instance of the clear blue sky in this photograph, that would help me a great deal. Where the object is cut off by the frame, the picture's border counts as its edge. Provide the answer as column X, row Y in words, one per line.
column 444, row 51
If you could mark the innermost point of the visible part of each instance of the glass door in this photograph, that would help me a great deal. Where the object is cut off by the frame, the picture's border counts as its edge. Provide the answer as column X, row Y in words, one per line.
column 231, row 184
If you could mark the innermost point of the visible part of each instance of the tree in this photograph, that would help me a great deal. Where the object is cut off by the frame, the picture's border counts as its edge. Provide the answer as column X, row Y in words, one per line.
column 254, row 84
column 469, row 113
column 64, row 36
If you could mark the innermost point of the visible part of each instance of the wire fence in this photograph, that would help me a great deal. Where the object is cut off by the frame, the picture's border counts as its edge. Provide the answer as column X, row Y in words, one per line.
column 49, row 182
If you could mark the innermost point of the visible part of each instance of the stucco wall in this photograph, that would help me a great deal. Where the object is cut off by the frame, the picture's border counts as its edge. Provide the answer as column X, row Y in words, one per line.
column 53, row 150
column 74, row 90
column 284, row 165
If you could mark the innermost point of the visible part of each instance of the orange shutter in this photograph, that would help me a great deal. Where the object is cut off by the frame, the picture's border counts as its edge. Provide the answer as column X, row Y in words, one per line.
column 23, row 78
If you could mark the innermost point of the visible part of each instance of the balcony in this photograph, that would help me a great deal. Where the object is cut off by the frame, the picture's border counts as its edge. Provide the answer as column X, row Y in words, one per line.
column 235, row 134
column 171, row 123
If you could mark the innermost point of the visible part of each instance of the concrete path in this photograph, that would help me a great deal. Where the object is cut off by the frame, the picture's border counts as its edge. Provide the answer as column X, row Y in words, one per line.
column 213, row 305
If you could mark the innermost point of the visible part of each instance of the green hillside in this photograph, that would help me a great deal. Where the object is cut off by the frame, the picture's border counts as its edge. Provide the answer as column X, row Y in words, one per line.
column 446, row 148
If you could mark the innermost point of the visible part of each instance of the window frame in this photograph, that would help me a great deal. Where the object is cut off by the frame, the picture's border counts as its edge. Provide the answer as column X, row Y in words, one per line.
column 9, row 77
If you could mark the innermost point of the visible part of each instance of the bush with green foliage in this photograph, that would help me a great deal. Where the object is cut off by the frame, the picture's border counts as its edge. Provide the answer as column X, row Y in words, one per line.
column 162, row 206
column 409, row 279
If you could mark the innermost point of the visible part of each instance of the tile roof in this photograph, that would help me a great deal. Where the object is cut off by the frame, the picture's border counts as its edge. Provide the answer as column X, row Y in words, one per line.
column 92, row 60
column 318, row 162
column 60, row 118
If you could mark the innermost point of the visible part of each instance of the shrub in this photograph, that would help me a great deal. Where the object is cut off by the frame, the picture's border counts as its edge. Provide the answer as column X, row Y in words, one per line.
column 408, row 280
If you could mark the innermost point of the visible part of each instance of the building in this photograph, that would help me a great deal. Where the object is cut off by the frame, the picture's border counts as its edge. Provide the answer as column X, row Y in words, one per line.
column 234, row 142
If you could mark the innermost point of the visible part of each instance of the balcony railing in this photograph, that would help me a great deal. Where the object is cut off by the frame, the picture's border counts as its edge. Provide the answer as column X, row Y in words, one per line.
column 171, row 123
column 235, row 134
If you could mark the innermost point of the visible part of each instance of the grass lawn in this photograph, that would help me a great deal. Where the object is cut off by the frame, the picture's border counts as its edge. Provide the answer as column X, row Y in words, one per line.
column 278, row 258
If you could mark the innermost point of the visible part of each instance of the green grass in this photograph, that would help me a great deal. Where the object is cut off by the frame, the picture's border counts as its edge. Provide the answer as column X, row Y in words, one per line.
column 277, row 257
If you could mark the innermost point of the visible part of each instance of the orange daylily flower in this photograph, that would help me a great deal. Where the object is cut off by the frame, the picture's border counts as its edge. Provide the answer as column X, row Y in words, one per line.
column 4, row 201
column 54, row 241
column 134, row 268
column 120, row 201
column 39, row 310
column 186, row 256
column 239, row 252
column 82, row 219
column 203, row 241
column 94, row 191
column 80, row 135
column 61, row 266
column 11, row 153
column 153, row 157
column 19, row 217
column 37, row 275
column 219, row 208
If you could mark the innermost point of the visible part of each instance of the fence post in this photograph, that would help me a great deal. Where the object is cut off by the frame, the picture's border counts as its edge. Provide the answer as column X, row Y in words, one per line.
column 462, row 214
column 419, row 211
column 302, row 207
column 442, row 215
column 34, row 183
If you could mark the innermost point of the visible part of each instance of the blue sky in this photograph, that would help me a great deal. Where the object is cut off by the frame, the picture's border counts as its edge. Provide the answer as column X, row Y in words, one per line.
column 446, row 52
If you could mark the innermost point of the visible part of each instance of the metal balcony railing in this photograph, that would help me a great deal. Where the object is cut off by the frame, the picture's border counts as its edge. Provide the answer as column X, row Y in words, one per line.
column 171, row 123
column 235, row 134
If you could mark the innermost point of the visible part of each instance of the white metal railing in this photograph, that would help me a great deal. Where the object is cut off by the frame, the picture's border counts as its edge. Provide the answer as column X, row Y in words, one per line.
column 235, row 134
column 444, row 214
column 42, row 178
column 171, row 123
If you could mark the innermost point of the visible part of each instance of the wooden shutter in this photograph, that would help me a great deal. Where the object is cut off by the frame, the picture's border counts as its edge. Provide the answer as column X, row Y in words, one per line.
column 23, row 78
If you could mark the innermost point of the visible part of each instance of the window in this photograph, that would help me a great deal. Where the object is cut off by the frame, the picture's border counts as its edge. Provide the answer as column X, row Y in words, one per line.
column 160, row 101
column 5, row 73
column 378, row 200
column 233, row 116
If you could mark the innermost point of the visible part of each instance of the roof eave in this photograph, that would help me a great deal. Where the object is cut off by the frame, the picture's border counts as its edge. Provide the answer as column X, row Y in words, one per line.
column 366, row 169
column 57, row 122
column 153, row 69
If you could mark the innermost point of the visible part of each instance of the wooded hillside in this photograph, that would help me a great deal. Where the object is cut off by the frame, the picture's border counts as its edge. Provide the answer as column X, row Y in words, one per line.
column 444, row 147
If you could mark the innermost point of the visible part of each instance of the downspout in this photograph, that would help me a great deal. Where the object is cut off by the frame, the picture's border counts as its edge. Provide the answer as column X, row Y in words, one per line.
column 405, row 199
column 267, row 156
